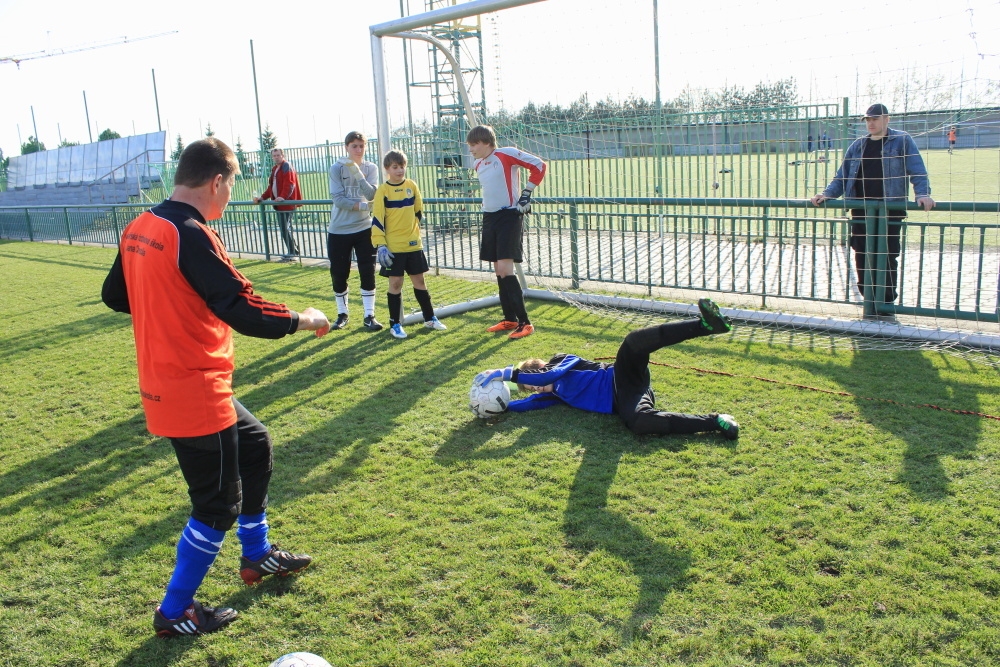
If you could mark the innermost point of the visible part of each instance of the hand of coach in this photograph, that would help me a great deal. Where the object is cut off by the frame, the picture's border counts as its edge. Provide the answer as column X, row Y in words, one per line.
column 925, row 203
column 312, row 319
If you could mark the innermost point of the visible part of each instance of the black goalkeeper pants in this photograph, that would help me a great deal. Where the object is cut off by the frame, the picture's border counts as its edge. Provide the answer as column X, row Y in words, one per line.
column 634, row 399
column 228, row 472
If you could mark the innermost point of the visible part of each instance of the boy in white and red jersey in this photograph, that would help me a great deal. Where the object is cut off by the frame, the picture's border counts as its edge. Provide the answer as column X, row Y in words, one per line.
column 504, row 206
column 173, row 276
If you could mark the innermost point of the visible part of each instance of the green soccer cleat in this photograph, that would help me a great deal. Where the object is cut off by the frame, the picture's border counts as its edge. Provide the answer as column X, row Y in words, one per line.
column 711, row 319
column 728, row 426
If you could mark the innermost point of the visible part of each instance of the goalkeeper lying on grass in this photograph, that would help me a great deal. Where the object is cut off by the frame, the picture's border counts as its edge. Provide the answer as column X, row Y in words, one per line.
column 621, row 387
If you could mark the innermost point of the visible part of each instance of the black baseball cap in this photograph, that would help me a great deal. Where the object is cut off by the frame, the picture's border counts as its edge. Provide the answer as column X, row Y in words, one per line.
column 876, row 110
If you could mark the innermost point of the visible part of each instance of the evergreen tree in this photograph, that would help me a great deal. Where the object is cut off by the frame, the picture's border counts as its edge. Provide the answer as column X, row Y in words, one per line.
column 268, row 140
column 32, row 145
column 209, row 132
column 241, row 157
column 175, row 155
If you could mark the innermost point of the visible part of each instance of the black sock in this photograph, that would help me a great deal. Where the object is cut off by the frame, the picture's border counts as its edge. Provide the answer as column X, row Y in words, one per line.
column 424, row 299
column 508, row 312
column 395, row 307
column 516, row 296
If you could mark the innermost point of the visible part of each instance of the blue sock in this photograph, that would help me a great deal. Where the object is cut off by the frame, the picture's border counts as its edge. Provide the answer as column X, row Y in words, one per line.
column 196, row 551
column 252, row 531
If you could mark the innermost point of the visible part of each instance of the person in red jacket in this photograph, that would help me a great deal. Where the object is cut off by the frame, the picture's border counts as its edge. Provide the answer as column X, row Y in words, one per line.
column 283, row 184
column 173, row 276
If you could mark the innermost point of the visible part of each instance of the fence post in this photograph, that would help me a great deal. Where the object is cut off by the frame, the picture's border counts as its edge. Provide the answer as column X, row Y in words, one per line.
column 69, row 232
column 881, row 281
column 263, row 231
column 574, row 245
column 27, row 218
column 868, row 289
column 763, row 255
column 118, row 227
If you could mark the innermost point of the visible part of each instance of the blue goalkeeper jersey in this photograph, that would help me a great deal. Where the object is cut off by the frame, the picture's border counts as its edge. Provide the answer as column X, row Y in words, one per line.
column 580, row 383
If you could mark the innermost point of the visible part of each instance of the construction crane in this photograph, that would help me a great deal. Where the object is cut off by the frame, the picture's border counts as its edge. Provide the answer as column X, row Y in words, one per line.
column 17, row 60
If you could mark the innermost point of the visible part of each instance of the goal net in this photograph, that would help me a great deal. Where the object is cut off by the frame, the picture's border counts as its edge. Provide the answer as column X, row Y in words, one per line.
column 651, row 201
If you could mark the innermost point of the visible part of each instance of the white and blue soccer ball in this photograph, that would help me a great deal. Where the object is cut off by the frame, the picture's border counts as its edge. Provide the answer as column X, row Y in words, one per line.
column 488, row 401
column 300, row 659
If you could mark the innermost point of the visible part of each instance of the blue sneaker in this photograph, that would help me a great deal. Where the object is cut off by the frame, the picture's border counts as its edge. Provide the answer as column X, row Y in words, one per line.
column 397, row 330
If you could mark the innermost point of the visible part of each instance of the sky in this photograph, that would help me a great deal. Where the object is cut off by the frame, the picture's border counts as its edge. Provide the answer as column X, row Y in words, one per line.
column 314, row 76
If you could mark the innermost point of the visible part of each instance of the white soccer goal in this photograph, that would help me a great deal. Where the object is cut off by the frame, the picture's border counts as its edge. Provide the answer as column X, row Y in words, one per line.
column 647, row 207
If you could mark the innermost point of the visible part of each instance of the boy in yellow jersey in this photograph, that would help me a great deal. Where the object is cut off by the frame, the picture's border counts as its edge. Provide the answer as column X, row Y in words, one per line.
column 396, row 213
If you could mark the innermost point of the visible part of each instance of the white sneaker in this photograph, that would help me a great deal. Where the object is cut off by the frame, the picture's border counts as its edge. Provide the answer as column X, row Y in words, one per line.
column 435, row 323
column 397, row 330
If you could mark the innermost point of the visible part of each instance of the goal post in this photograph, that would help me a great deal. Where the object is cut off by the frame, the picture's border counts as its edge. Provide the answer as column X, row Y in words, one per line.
column 396, row 27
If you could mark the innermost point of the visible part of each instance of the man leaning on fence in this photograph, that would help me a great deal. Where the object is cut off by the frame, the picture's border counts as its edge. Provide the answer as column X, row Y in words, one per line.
column 877, row 166
column 283, row 184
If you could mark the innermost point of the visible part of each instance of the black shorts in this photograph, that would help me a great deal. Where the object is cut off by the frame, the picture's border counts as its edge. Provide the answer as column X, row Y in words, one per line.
column 228, row 472
column 501, row 237
column 410, row 263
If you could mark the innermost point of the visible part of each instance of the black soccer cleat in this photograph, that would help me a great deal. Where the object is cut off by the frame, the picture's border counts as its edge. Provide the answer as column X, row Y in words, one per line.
column 728, row 426
column 276, row 562
column 341, row 321
column 196, row 620
column 372, row 324
column 711, row 319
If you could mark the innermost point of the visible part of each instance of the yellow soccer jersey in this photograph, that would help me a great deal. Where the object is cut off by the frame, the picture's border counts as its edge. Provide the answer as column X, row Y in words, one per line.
column 396, row 214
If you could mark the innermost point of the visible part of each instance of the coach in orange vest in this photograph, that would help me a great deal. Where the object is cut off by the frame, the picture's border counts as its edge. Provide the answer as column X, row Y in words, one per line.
column 173, row 276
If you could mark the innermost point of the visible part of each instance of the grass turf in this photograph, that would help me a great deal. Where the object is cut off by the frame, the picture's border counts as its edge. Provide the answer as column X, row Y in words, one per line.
column 837, row 530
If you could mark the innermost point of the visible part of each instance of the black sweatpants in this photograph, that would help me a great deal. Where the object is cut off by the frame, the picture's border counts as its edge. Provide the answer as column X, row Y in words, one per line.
column 634, row 399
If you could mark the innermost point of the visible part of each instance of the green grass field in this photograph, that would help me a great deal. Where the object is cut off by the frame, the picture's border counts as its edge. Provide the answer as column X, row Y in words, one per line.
column 836, row 531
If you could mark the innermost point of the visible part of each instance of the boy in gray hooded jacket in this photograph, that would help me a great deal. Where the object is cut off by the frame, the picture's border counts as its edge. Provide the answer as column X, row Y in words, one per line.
column 353, row 181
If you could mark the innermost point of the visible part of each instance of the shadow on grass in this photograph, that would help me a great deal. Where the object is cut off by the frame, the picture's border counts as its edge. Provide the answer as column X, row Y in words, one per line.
column 588, row 524
column 87, row 252
column 365, row 422
column 911, row 379
column 47, row 338
column 928, row 437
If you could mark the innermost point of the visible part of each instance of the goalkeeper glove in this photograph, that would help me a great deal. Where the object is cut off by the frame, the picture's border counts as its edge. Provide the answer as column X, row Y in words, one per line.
column 524, row 203
column 355, row 170
column 384, row 256
column 489, row 376
column 344, row 160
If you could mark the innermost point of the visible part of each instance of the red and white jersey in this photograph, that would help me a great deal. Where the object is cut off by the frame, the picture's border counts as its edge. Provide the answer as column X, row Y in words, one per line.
column 500, row 177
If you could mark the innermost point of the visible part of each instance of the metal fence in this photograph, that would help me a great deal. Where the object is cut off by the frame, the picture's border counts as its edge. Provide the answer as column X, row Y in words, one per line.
column 767, row 248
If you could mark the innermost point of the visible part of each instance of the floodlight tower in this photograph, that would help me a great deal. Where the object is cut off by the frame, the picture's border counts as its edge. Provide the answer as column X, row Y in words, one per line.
column 463, row 37
column 448, row 21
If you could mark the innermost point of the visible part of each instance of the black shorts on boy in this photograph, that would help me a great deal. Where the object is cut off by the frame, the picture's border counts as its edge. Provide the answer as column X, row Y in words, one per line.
column 406, row 263
column 501, row 237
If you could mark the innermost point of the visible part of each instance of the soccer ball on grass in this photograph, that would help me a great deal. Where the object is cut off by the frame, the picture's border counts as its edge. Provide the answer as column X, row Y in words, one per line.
column 488, row 401
column 300, row 659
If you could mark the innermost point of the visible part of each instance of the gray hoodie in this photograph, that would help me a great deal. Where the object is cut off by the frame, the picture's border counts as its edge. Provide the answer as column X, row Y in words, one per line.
column 346, row 191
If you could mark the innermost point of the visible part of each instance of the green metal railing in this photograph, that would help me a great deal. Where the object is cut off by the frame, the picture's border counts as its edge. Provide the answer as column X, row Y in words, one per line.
column 768, row 248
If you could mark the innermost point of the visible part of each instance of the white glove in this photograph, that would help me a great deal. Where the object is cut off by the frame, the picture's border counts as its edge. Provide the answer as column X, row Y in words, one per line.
column 384, row 257
column 344, row 160
column 355, row 171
